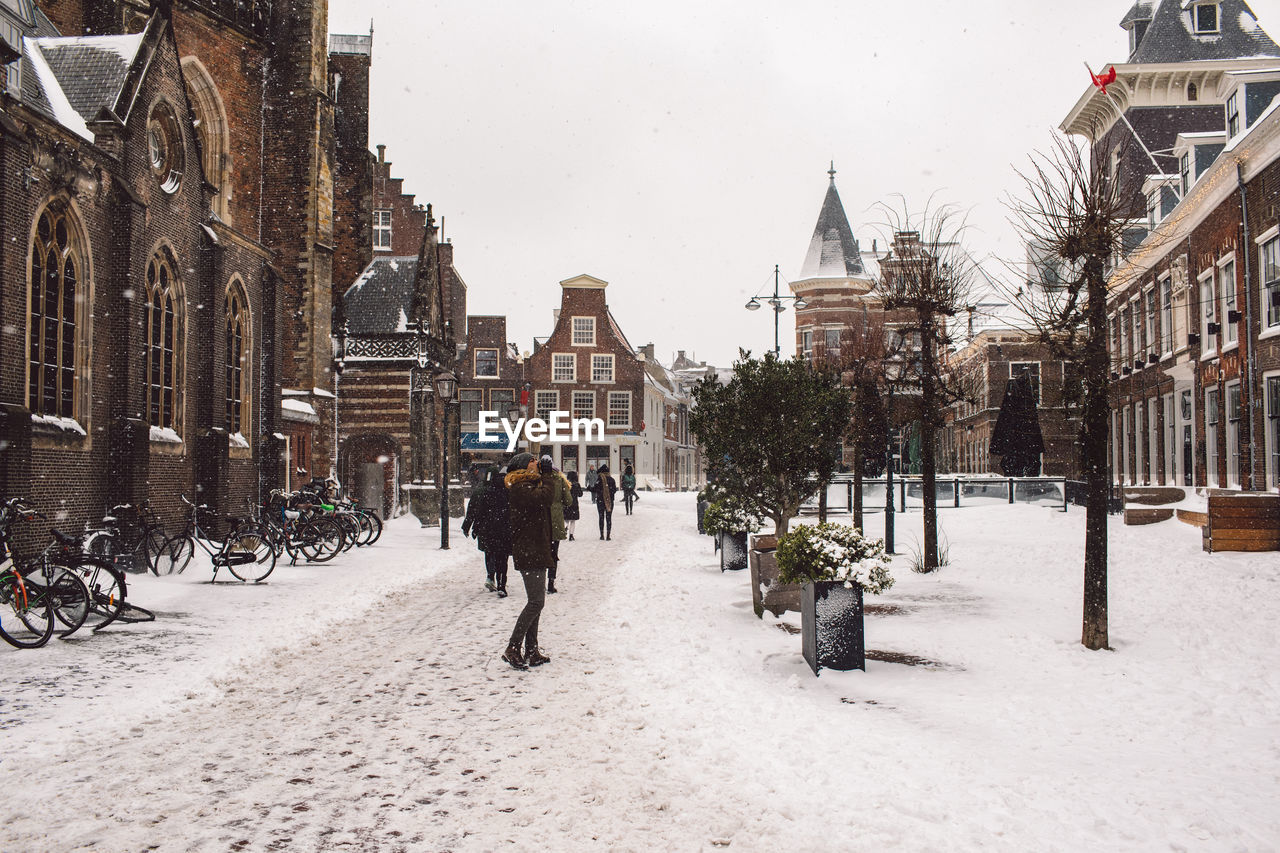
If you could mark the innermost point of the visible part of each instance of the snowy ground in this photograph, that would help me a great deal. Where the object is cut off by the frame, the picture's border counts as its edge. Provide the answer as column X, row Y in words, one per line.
column 362, row 705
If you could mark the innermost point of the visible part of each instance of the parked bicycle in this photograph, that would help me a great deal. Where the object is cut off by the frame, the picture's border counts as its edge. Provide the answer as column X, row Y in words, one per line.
column 297, row 527
column 130, row 537
column 246, row 551
column 37, row 595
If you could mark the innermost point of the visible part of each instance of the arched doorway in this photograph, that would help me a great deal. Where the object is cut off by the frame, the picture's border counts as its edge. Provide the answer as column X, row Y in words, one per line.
column 369, row 465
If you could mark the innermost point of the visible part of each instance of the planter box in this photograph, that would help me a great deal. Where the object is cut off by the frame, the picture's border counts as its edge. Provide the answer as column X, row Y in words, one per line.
column 733, row 551
column 702, row 510
column 767, row 592
column 1243, row 521
column 831, row 626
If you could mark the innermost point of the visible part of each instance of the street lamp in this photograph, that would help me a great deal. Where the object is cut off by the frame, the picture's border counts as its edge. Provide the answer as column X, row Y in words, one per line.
column 775, row 301
column 446, row 385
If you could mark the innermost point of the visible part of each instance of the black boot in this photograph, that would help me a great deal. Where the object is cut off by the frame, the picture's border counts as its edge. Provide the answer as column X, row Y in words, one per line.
column 535, row 657
column 551, row 582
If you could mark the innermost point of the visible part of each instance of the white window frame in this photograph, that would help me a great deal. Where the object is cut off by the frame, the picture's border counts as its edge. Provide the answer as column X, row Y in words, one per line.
column 1184, row 172
column 475, row 363
column 1039, row 378
column 1165, row 288
column 1231, row 341
column 382, row 229
column 479, row 404
column 1233, row 432
column 589, row 324
column 1150, row 310
column 1269, row 313
column 1195, row 19
column 1211, row 428
column 1169, row 404
column 1153, row 441
column 1139, row 444
column 624, row 422
column 1231, row 108
column 1208, row 313
column 598, row 359
column 578, row 395
column 1187, row 436
column 1116, row 438
column 557, row 371
column 1271, row 426
column 544, row 403
column 1126, row 418
column 1135, row 310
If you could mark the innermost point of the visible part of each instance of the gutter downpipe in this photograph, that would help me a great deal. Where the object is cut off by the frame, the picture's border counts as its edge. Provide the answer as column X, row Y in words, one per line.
column 1250, row 366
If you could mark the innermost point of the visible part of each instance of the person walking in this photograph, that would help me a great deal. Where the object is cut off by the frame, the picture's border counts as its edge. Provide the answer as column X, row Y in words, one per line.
column 562, row 501
column 530, row 492
column 604, row 491
column 629, row 496
column 573, row 512
column 593, row 476
column 488, row 520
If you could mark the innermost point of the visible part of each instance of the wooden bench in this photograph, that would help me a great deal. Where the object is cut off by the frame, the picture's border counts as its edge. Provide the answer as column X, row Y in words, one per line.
column 1243, row 522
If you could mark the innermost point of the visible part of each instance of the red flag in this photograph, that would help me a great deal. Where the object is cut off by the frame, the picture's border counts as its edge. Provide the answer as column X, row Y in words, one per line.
column 1105, row 79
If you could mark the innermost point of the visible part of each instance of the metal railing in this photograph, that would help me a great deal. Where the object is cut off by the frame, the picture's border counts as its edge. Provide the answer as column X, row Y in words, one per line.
column 952, row 490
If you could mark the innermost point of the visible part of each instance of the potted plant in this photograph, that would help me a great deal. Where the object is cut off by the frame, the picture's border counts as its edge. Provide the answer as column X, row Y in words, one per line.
column 836, row 564
column 705, row 498
column 730, row 519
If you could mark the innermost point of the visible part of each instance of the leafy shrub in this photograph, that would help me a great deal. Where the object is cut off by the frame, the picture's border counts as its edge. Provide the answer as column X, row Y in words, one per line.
column 833, row 552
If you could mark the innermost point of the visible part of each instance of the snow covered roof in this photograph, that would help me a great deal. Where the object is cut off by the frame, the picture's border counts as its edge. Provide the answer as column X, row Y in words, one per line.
column 833, row 251
column 381, row 299
column 1171, row 35
column 76, row 80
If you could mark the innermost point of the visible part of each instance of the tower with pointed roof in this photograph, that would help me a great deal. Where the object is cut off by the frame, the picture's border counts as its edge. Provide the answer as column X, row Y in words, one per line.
column 835, row 282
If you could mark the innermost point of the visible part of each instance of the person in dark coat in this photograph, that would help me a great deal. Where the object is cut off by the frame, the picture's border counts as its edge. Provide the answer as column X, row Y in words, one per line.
column 530, row 493
column 488, row 520
column 604, row 491
column 629, row 496
column 573, row 511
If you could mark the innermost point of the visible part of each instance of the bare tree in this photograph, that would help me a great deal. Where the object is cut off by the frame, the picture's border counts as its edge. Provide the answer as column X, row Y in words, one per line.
column 1074, row 217
column 928, row 277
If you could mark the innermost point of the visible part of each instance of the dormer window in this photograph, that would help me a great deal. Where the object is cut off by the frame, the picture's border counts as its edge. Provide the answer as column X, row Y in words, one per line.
column 1204, row 17
column 1136, row 32
column 1184, row 174
column 1233, row 115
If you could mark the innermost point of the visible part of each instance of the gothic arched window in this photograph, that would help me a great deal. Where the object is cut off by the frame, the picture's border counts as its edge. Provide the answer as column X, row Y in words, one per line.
column 237, row 360
column 57, row 267
column 164, row 335
column 212, row 128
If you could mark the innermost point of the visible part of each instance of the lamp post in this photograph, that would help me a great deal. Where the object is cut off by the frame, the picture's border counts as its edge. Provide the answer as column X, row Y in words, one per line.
column 776, row 302
column 446, row 384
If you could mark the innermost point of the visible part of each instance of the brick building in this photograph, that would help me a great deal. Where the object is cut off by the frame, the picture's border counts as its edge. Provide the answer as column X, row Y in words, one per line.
column 383, row 396
column 587, row 367
column 1194, row 305
column 167, row 207
column 490, row 375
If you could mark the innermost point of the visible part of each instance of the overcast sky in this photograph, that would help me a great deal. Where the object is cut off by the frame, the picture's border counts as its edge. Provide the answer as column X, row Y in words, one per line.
column 679, row 150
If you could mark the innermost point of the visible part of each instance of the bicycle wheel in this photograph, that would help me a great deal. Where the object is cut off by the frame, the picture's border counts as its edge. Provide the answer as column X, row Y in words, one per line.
column 153, row 541
column 107, row 591
column 321, row 539
column 100, row 543
column 174, row 555
column 366, row 528
column 70, row 598
column 251, row 539
column 26, row 617
column 376, row 521
column 350, row 530
column 130, row 613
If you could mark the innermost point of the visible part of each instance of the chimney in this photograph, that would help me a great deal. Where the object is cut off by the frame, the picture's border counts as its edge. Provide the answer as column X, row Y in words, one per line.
column 382, row 153
column 647, row 349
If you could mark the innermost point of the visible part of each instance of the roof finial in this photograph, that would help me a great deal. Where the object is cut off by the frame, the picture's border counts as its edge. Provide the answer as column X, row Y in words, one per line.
column 832, row 173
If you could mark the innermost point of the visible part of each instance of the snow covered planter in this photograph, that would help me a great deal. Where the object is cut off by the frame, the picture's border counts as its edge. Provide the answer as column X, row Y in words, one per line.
column 835, row 562
column 729, row 520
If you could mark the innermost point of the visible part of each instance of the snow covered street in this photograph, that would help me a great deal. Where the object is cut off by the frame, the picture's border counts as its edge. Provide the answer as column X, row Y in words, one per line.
column 362, row 705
